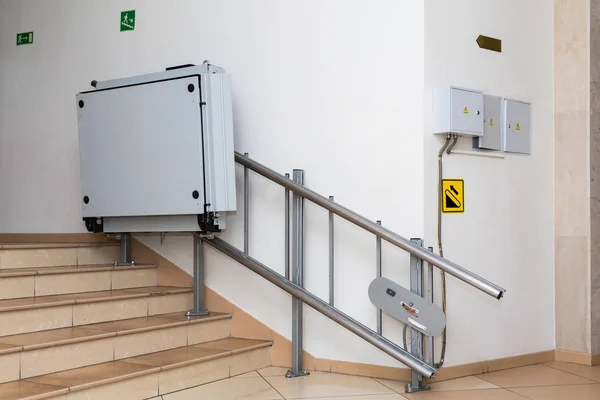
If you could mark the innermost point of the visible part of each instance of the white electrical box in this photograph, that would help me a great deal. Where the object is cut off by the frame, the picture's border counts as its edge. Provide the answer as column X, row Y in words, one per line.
column 458, row 111
column 517, row 126
column 492, row 138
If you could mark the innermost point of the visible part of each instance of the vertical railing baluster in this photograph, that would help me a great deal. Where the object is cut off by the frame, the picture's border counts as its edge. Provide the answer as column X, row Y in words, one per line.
column 198, row 306
column 287, row 231
column 331, row 258
column 297, row 278
column 246, row 210
column 378, row 266
column 430, row 347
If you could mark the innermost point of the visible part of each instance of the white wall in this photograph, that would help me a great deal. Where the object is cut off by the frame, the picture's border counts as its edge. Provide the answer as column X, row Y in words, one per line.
column 506, row 234
column 333, row 87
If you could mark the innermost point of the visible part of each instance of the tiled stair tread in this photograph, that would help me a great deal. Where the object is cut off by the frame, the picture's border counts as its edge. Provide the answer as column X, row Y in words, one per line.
column 89, row 297
column 24, row 390
column 42, row 339
column 43, row 246
column 114, row 371
column 71, row 269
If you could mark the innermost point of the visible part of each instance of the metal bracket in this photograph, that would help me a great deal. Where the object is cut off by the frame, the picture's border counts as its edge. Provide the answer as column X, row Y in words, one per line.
column 291, row 374
column 419, row 388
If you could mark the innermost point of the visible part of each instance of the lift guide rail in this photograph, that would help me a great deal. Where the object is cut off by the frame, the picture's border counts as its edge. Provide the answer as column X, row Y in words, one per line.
column 157, row 152
column 324, row 308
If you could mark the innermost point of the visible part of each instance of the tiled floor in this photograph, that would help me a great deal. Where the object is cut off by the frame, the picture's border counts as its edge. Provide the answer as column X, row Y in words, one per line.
column 550, row 381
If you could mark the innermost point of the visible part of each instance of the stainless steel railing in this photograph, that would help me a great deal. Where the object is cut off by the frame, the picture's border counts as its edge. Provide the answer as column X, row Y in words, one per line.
column 379, row 231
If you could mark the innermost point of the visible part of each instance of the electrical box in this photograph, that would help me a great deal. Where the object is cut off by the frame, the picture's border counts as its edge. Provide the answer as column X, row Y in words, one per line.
column 493, row 132
column 156, row 152
column 517, row 126
column 458, row 111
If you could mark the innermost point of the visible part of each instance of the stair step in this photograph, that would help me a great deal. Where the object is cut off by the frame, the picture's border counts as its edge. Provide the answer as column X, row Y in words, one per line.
column 51, row 255
column 61, row 349
column 42, row 313
column 47, row 281
column 147, row 376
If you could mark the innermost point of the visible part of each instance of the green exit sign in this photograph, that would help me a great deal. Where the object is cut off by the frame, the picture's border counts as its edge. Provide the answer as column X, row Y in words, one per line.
column 127, row 20
column 24, row 38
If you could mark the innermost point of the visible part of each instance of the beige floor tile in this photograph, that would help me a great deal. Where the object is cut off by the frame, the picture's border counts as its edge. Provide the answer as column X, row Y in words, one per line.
column 323, row 384
column 10, row 365
column 150, row 341
column 139, row 388
column 60, row 358
column 168, row 304
column 47, row 285
column 134, row 278
column 252, row 374
column 391, row 396
column 16, row 287
column 533, row 375
column 90, row 313
column 229, row 389
column 83, row 378
column 22, row 389
column 31, row 258
column 234, row 344
column 488, row 394
column 249, row 361
column 273, row 371
column 466, row 383
column 585, row 371
column 171, row 380
column 15, row 322
column 98, row 255
column 575, row 392
column 208, row 331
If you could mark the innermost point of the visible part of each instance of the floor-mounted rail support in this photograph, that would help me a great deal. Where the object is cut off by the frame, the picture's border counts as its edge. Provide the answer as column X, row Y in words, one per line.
column 125, row 250
column 198, row 306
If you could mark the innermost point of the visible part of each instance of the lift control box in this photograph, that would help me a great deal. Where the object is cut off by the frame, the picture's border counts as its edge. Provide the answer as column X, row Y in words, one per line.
column 493, row 122
column 156, row 152
column 517, row 126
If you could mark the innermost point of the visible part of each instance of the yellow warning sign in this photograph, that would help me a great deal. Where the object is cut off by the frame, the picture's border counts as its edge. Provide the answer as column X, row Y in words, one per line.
column 453, row 196
column 466, row 110
column 518, row 127
column 491, row 122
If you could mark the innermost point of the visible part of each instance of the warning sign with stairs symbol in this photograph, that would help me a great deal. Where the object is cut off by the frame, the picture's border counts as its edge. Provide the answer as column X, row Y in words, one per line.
column 453, row 196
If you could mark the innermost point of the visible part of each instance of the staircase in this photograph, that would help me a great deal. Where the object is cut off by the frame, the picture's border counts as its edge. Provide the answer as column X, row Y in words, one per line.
column 73, row 326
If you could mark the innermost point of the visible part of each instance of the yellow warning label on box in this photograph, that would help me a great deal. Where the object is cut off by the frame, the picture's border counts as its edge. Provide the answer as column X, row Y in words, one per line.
column 453, row 196
column 466, row 110
column 491, row 122
column 518, row 127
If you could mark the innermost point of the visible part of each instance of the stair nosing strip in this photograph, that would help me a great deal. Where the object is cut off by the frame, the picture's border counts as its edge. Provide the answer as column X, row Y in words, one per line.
column 176, row 324
column 124, row 296
column 60, row 391
column 36, row 306
column 114, row 379
column 225, row 353
column 64, row 342
column 209, row 318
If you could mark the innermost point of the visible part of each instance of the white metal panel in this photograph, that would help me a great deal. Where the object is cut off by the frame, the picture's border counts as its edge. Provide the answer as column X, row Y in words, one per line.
column 492, row 124
column 517, row 137
column 141, row 149
column 466, row 112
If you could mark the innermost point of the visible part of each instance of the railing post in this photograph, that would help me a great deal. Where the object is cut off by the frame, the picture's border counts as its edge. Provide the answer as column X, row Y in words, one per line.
column 430, row 341
column 246, row 210
column 125, row 251
column 417, row 345
column 331, row 258
column 287, row 231
column 198, row 306
column 378, row 268
column 297, row 278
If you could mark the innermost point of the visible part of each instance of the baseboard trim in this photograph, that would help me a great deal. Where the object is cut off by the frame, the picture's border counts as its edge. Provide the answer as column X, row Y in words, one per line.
column 577, row 358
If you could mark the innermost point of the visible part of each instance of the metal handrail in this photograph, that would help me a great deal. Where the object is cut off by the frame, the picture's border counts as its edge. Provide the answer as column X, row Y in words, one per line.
column 379, row 231
column 324, row 308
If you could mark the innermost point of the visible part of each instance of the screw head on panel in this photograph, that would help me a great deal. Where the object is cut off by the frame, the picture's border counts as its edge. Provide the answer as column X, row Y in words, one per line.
column 195, row 194
column 86, row 199
column 191, row 88
column 81, row 103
